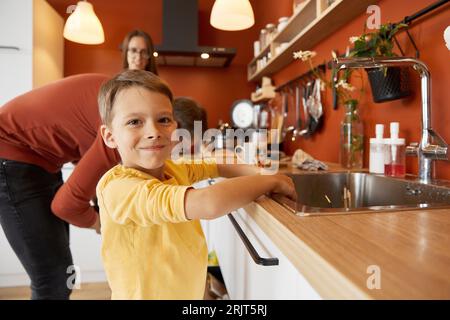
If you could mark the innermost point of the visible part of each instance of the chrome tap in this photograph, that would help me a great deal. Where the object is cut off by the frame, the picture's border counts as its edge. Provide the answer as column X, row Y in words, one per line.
column 432, row 146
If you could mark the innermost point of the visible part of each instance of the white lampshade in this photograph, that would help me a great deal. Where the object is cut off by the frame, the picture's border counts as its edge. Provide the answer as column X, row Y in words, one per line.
column 232, row 15
column 447, row 37
column 83, row 26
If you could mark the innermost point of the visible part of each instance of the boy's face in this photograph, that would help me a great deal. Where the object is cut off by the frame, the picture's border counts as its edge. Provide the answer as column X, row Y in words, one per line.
column 141, row 127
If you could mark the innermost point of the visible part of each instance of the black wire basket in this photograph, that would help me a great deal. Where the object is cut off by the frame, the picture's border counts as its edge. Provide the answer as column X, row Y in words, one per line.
column 389, row 83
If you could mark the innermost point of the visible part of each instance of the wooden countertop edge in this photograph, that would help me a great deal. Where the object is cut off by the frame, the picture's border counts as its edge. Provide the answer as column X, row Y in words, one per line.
column 325, row 279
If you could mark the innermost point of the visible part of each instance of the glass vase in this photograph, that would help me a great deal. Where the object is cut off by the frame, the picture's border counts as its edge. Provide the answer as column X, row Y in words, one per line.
column 351, row 137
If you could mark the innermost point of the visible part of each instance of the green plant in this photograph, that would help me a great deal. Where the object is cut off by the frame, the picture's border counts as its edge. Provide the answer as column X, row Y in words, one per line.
column 386, row 83
column 378, row 43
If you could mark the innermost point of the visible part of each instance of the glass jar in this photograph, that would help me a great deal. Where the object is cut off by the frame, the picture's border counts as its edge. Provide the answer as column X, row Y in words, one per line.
column 352, row 137
column 256, row 48
column 282, row 23
column 262, row 39
column 271, row 32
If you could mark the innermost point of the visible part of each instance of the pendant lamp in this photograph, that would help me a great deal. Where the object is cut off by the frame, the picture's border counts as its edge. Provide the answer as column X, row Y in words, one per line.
column 83, row 26
column 232, row 15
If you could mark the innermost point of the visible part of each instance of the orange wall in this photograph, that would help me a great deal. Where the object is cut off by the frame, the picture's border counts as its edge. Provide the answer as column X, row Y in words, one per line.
column 428, row 35
column 214, row 88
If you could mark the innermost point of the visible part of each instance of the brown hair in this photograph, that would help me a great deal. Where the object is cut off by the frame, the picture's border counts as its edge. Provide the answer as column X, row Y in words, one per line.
column 151, row 64
column 124, row 80
column 186, row 111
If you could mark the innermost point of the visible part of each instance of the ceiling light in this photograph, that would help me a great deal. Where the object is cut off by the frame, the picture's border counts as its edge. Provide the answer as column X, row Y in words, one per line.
column 232, row 15
column 83, row 26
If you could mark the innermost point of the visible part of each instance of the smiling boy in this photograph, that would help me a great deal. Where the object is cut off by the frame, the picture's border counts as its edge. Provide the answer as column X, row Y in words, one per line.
column 153, row 245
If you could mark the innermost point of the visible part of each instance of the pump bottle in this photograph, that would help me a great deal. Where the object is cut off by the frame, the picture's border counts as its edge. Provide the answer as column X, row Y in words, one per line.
column 394, row 155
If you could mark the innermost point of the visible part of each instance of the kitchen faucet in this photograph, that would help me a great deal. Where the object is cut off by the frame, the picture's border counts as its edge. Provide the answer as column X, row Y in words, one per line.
column 425, row 151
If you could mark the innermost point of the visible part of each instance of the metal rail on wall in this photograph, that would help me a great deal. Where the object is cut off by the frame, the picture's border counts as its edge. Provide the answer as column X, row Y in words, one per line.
column 407, row 20
column 307, row 75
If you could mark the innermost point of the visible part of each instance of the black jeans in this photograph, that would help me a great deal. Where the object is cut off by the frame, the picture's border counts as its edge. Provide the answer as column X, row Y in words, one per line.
column 38, row 237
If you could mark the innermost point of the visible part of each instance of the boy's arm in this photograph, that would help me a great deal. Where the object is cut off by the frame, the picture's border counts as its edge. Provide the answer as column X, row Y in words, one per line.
column 237, row 170
column 231, row 194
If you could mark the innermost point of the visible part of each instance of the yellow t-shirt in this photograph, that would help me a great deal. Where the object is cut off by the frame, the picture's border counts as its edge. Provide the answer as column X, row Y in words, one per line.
column 149, row 249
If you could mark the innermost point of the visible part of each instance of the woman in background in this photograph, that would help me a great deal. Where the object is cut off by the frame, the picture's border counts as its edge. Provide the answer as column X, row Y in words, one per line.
column 137, row 52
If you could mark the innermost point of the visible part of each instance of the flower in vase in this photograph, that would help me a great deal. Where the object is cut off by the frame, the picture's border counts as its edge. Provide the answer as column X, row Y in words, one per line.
column 304, row 55
column 345, row 85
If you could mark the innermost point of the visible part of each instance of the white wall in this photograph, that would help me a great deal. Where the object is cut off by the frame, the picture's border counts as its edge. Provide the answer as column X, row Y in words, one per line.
column 31, row 46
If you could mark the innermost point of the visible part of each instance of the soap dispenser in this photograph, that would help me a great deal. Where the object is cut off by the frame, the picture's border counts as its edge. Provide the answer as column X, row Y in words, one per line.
column 377, row 146
column 394, row 159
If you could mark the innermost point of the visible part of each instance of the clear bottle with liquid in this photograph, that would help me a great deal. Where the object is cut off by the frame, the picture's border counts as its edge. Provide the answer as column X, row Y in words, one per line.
column 352, row 137
column 394, row 156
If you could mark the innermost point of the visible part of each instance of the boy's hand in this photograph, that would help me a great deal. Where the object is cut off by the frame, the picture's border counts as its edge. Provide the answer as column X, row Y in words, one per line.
column 285, row 186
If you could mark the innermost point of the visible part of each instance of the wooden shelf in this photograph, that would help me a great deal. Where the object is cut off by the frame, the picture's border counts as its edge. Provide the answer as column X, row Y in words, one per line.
column 305, row 29
column 297, row 22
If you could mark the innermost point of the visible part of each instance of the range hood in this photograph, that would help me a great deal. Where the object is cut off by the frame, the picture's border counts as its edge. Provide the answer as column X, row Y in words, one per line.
column 180, row 39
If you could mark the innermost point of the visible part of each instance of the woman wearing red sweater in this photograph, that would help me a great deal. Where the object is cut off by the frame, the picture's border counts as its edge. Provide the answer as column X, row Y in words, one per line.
column 40, row 131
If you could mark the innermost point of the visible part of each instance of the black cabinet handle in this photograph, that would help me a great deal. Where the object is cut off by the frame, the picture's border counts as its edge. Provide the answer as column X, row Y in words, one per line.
column 253, row 253
column 10, row 48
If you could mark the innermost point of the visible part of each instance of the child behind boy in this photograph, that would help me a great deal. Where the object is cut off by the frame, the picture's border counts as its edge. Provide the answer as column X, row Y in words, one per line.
column 153, row 246
column 186, row 112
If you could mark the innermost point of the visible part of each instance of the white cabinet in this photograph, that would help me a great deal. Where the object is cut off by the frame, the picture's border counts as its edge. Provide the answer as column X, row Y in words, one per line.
column 16, row 24
column 244, row 278
column 31, row 46
column 15, row 76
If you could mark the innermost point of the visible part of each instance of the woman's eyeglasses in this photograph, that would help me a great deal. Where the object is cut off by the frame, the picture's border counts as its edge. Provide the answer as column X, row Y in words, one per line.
column 143, row 53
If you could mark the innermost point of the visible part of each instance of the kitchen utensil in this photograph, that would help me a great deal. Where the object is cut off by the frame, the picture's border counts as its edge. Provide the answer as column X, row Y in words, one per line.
column 306, row 93
column 291, row 101
column 276, row 117
column 298, row 121
column 285, row 110
column 315, row 107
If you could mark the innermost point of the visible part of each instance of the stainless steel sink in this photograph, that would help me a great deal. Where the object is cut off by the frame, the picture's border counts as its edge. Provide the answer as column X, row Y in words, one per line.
column 353, row 192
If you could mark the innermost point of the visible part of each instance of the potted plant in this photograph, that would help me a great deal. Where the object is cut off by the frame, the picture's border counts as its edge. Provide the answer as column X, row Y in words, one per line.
column 386, row 83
